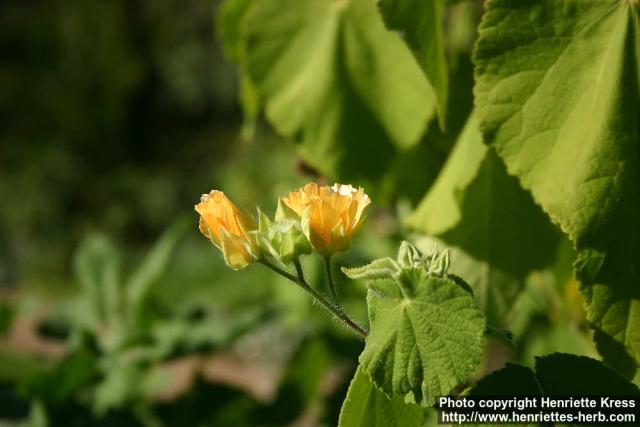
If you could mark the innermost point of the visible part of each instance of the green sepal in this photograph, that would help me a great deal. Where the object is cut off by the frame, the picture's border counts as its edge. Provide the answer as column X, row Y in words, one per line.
column 434, row 262
column 439, row 263
column 381, row 268
column 409, row 255
column 264, row 223
column 284, row 212
column 263, row 234
column 409, row 258
column 282, row 239
column 292, row 241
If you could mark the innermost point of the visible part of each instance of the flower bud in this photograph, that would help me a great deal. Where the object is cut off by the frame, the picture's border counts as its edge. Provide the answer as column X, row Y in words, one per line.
column 228, row 228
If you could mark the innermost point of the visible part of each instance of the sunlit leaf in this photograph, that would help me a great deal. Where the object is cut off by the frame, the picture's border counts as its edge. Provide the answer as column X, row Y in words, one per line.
column 419, row 23
column 426, row 335
column 557, row 95
column 497, row 233
column 337, row 82
column 230, row 21
column 366, row 406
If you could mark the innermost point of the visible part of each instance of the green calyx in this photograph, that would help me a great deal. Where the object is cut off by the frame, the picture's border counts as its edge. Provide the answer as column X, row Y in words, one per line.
column 282, row 239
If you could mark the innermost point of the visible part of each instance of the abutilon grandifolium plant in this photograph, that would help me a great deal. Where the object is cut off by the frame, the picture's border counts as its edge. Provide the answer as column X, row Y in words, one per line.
column 413, row 300
column 506, row 132
column 482, row 239
column 426, row 334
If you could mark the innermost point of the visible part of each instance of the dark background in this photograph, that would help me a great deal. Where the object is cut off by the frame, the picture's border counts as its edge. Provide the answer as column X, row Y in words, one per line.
column 113, row 116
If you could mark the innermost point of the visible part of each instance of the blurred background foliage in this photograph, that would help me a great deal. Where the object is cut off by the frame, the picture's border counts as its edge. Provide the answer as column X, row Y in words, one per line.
column 114, row 117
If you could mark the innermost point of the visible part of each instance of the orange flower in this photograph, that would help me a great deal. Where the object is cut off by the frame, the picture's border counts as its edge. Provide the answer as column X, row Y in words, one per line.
column 228, row 228
column 329, row 215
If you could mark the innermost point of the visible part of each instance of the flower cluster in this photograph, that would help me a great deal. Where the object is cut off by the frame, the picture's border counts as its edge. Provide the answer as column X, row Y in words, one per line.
column 313, row 217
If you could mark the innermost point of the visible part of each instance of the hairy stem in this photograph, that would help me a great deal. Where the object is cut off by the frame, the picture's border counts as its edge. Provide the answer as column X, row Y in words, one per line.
column 332, row 285
column 300, row 281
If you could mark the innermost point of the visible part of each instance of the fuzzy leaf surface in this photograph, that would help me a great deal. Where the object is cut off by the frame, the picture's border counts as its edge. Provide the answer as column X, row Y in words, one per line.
column 557, row 95
column 366, row 406
column 426, row 335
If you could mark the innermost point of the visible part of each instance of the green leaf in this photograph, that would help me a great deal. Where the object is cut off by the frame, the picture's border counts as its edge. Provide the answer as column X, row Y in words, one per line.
column 557, row 95
column 123, row 381
column 411, row 171
column 512, row 380
column 503, row 336
column 97, row 269
column 338, row 83
column 496, row 232
column 494, row 290
column 150, row 271
column 230, row 21
column 558, row 374
column 441, row 209
column 65, row 380
column 366, row 406
column 420, row 24
column 426, row 335
column 562, row 374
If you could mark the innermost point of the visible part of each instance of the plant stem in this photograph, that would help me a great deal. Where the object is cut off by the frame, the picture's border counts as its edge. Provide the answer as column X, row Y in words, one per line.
column 300, row 281
column 332, row 285
column 299, row 271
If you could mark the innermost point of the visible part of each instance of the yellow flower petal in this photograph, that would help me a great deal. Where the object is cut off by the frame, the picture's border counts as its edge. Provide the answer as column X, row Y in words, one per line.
column 228, row 228
column 331, row 215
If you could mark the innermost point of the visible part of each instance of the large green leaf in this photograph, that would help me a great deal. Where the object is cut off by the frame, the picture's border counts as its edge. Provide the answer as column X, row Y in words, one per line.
column 97, row 267
column 420, row 23
column 513, row 380
column 561, row 374
column 151, row 269
column 558, row 374
column 557, row 94
column 75, row 372
column 426, row 335
column 497, row 233
column 230, row 22
column 230, row 19
column 366, row 406
column 337, row 82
